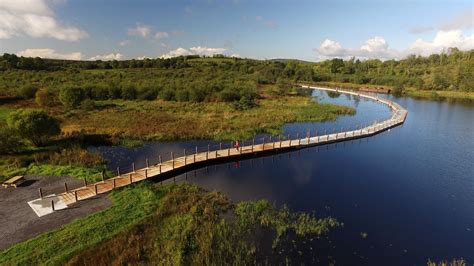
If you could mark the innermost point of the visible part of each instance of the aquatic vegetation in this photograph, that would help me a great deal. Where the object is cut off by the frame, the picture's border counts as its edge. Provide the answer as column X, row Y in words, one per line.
column 176, row 224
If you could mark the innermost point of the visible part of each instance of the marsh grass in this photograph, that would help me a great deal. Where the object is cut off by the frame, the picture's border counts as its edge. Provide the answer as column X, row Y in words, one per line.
column 164, row 120
column 175, row 224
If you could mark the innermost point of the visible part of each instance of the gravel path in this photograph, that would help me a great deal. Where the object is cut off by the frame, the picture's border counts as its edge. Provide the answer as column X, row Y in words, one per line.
column 18, row 222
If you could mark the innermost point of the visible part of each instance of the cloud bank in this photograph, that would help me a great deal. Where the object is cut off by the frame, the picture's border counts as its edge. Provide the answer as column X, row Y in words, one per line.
column 198, row 50
column 50, row 53
column 34, row 18
column 378, row 47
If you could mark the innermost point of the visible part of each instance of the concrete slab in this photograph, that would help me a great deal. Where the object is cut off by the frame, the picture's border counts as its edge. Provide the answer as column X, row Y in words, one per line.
column 43, row 206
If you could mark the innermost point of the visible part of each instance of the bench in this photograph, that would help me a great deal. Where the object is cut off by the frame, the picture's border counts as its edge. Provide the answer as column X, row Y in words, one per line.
column 14, row 181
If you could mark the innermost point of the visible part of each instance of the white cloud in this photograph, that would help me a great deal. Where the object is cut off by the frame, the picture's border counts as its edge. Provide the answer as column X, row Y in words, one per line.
column 125, row 43
column 161, row 35
column 50, row 53
column 140, row 30
column 198, row 50
column 442, row 40
column 331, row 48
column 378, row 47
column 421, row 29
column 465, row 20
column 34, row 18
column 108, row 57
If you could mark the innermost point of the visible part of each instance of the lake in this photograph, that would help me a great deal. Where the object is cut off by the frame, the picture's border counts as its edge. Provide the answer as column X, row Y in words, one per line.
column 404, row 196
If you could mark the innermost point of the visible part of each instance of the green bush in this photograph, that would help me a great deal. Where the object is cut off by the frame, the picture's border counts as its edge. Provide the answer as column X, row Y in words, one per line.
column 71, row 97
column 45, row 97
column 182, row 95
column 34, row 125
column 88, row 105
column 129, row 92
column 167, row 94
column 28, row 92
column 9, row 140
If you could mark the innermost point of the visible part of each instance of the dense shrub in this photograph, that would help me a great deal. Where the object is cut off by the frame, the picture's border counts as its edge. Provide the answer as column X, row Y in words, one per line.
column 182, row 95
column 34, row 125
column 9, row 140
column 45, row 97
column 71, row 97
column 129, row 92
column 28, row 92
column 167, row 94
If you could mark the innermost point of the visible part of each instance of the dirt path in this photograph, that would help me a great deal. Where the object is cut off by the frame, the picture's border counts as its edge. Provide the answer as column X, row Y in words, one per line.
column 18, row 222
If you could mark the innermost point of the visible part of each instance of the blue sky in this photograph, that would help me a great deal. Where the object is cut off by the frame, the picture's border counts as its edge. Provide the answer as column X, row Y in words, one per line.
column 307, row 30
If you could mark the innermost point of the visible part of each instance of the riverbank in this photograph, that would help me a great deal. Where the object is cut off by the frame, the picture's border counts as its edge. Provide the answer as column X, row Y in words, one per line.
column 412, row 92
column 171, row 224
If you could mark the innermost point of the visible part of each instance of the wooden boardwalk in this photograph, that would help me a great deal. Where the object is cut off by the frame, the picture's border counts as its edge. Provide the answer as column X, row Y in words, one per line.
column 209, row 156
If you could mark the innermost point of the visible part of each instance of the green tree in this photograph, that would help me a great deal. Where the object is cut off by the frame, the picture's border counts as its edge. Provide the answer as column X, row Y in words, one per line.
column 34, row 125
column 71, row 97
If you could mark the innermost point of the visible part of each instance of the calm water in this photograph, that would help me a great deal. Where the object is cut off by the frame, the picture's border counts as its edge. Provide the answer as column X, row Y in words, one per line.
column 410, row 189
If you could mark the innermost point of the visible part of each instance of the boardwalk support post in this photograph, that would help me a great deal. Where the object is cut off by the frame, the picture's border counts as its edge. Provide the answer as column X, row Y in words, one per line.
column 185, row 161
column 298, row 137
column 130, row 178
column 279, row 139
column 253, row 143
column 146, row 173
column 75, row 196
column 263, row 145
column 159, row 169
column 52, row 205
column 308, row 135
column 289, row 139
column 65, row 187
column 95, row 188
column 114, row 183
column 172, row 160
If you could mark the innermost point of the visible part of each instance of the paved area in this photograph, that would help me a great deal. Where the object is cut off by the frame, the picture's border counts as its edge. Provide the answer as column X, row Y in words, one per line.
column 19, row 222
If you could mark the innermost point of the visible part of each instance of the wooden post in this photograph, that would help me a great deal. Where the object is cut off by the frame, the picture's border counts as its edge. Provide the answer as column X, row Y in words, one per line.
column 85, row 182
column 298, row 137
column 102, row 176
column 40, row 191
column 308, row 135
column 184, row 152
column 75, row 196
column 194, row 157
column 114, row 183
column 130, row 178
column 147, row 163
column 228, row 150
column 52, row 205
column 146, row 173
column 289, row 139
column 273, row 142
column 65, row 187
column 279, row 139
column 95, row 188
column 159, row 168
column 118, row 171
column 172, row 160
column 253, row 143
column 133, row 167
column 159, row 159
column 263, row 145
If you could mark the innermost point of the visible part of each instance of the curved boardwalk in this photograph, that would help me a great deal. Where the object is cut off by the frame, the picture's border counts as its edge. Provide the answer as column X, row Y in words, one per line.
column 165, row 168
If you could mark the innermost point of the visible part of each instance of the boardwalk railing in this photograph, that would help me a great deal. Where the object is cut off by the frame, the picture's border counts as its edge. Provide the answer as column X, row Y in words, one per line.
column 159, row 166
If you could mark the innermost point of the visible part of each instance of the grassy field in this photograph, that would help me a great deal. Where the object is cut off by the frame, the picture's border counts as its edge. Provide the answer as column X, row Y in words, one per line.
column 164, row 120
column 176, row 224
